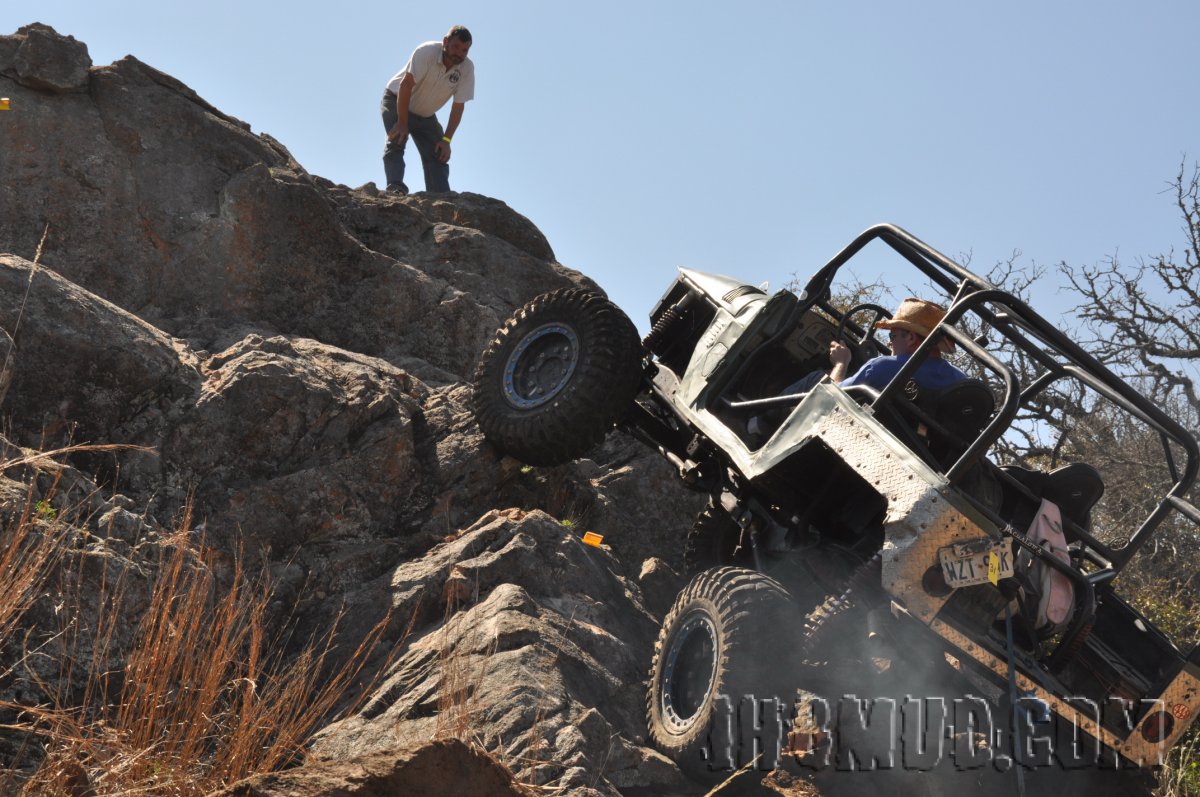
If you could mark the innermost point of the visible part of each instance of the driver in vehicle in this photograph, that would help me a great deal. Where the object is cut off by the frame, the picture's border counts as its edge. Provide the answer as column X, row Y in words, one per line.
column 910, row 325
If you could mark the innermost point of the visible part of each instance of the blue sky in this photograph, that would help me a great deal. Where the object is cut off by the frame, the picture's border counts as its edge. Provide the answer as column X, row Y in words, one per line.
column 752, row 139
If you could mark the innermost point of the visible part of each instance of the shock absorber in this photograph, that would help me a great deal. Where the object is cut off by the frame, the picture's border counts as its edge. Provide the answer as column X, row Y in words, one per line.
column 666, row 324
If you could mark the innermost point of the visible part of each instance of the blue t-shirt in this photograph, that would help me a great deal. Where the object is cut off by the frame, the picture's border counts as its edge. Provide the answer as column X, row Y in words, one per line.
column 933, row 374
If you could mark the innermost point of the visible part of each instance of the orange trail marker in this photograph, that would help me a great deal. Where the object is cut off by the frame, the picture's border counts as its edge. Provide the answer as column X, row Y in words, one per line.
column 592, row 538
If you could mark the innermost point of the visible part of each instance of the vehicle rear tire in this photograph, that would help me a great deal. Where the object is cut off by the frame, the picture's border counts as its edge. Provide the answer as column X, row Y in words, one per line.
column 713, row 542
column 721, row 638
column 557, row 377
column 836, row 651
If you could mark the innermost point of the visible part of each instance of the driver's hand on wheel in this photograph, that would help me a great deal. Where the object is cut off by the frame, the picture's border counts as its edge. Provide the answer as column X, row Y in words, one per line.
column 839, row 353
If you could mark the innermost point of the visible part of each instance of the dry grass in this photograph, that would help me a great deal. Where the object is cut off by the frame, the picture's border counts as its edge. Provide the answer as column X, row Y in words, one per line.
column 1181, row 775
column 30, row 549
column 461, row 700
column 7, row 366
column 204, row 696
column 459, row 690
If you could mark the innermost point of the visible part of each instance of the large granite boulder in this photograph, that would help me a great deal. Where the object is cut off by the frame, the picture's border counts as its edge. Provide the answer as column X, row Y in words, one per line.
column 518, row 635
column 80, row 369
column 444, row 768
column 37, row 57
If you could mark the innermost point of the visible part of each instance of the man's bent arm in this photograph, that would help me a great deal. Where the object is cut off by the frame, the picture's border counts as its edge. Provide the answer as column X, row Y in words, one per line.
column 442, row 148
column 402, row 99
column 456, row 112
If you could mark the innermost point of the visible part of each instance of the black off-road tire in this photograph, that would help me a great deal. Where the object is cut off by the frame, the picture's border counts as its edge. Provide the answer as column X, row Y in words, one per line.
column 723, row 637
column 557, row 377
column 835, row 654
column 713, row 542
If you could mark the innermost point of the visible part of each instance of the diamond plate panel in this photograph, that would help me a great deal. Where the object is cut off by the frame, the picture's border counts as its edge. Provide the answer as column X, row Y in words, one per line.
column 921, row 517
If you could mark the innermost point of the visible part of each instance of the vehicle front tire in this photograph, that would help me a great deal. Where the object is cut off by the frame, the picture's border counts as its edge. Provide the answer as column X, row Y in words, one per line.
column 557, row 377
column 722, row 638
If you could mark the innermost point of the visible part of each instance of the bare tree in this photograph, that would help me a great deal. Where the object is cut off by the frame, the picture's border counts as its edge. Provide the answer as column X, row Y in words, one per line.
column 1145, row 320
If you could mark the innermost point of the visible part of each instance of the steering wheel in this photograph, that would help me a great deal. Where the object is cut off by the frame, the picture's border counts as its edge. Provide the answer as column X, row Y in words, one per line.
column 878, row 314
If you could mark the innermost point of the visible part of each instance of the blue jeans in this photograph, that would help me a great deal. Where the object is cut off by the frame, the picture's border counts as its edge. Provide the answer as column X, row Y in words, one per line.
column 426, row 132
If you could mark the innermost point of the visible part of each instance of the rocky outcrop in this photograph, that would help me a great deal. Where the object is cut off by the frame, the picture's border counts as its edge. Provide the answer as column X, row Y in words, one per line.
column 158, row 202
column 286, row 361
column 445, row 768
column 81, row 368
column 291, row 443
column 39, row 58
column 519, row 635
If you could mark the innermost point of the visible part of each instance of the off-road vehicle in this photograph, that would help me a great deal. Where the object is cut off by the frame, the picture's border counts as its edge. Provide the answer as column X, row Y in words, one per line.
column 895, row 502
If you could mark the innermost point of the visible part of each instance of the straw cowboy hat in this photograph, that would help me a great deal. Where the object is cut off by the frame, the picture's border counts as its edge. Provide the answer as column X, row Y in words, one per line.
column 919, row 317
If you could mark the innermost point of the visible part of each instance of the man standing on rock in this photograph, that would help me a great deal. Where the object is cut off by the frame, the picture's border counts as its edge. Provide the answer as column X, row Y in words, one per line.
column 436, row 72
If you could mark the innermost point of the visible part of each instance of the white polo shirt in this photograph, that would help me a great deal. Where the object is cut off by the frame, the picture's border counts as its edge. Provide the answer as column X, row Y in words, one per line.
column 434, row 83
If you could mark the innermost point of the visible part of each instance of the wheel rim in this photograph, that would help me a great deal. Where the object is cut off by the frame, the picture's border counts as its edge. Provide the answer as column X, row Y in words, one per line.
column 541, row 366
column 688, row 672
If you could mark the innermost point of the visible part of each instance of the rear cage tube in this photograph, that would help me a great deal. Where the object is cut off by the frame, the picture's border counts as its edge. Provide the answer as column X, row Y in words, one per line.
column 975, row 294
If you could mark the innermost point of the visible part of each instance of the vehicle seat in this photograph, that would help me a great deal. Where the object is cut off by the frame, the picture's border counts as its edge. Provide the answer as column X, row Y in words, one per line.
column 960, row 413
column 953, row 417
column 1075, row 488
column 936, row 425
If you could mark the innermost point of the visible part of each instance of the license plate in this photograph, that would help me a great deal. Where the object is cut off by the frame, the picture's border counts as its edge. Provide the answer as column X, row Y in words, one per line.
column 967, row 563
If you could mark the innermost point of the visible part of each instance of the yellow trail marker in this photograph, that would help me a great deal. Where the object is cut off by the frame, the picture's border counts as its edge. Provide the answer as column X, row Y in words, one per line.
column 5, row 104
column 592, row 538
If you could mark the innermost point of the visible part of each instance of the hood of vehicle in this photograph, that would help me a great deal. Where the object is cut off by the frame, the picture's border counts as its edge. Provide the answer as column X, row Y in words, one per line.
column 730, row 293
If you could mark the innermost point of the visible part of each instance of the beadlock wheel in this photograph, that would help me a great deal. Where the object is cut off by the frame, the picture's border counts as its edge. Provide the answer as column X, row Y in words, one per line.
column 540, row 366
column 557, row 377
column 689, row 672
column 727, row 636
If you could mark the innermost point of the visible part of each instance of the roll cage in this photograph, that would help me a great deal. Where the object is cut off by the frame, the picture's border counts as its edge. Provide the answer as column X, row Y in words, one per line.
column 1044, row 344
column 1061, row 359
